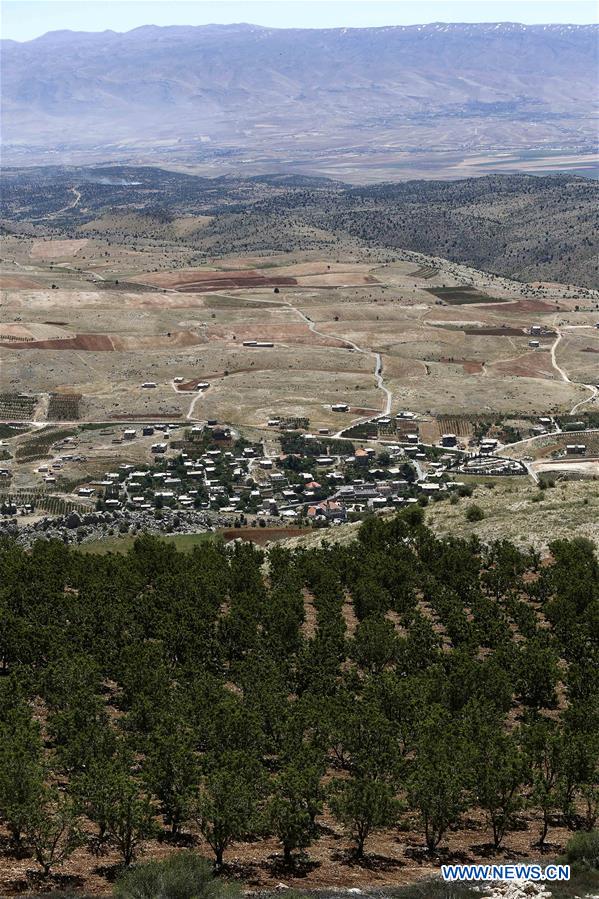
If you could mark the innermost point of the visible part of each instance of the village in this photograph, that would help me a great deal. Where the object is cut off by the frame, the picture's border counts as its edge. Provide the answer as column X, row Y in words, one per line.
column 289, row 475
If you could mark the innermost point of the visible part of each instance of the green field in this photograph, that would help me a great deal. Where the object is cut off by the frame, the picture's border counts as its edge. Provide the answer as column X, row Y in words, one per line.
column 183, row 542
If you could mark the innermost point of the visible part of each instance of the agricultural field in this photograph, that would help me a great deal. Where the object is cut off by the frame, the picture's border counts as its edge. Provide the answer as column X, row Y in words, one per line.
column 92, row 333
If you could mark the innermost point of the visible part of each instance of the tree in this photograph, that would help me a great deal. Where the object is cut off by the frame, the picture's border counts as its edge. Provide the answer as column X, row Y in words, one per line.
column 544, row 745
column 226, row 808
column 537, row 674
column 171, row 771
column 129, row 818
column 436, row 779
column 96, row 789
column 21, row 769
column 363, row 805
column 499, row 772
column 296, row 800
column 81, row 732
column 375, row 644
column 51, row 829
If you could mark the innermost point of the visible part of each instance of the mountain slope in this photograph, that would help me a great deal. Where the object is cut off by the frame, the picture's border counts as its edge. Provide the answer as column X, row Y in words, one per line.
column 242, row 87
column 531, row 228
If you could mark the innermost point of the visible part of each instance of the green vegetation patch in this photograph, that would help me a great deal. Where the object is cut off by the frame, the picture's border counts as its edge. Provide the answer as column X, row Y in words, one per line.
column 182, row 542
column 38, row 446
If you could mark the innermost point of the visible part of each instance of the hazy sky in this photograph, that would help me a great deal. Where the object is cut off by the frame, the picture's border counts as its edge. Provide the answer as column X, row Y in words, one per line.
column 25, row 19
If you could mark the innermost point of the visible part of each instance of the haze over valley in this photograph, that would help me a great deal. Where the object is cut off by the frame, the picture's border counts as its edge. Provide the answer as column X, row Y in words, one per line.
column 437, row 100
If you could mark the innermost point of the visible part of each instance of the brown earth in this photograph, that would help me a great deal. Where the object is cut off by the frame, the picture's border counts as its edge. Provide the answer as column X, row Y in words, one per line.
column 95, row 342
column 204, row 282
column 57, row 249
column 17, row 282
column 98, row 343
column 392, row 857
column 470, row 366
column 531, row 306
column 529, row 365
column 262, row 536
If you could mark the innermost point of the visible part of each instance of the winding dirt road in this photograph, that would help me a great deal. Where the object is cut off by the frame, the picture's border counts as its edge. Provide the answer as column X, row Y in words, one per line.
column 565, row 377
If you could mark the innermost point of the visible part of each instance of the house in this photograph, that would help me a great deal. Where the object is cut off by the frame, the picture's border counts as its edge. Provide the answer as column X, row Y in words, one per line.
column 129, row 434
column 535, row 330
column 147, row 430
column 428, row 489
column 340, row 407
column 221, row 433
column 159, row 448
column 576, row 449
column 449, row 440
column 328, row 509
column 378, row 502
column 534, row 344
column 149, row 384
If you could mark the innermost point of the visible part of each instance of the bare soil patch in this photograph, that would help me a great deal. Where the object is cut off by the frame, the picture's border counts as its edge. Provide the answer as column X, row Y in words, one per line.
column 46, row 250
column 18, row 282
column 205, row 281
column 531, row 306
column 470, row 366
column 94, row 342
column 530, row 365
column 261, row 536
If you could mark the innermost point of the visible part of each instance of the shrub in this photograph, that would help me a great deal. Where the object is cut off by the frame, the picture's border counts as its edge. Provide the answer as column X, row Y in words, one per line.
column 583, row 849
column 474, row 513
column 184, row 875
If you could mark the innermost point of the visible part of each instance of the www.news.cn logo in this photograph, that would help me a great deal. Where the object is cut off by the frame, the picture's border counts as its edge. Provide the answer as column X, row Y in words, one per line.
column 505, row 872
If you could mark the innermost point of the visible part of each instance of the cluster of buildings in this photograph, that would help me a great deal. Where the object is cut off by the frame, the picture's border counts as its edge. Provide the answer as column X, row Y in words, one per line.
column 210, row 470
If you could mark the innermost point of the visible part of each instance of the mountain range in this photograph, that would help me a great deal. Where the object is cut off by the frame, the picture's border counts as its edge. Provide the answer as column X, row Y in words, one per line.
column 327, row 101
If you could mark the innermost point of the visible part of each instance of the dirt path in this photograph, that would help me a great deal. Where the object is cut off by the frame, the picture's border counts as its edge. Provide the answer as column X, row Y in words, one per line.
column 564, row 375
column 75, row 202
column 378, row 362
column 40, row 413
column 192, row 405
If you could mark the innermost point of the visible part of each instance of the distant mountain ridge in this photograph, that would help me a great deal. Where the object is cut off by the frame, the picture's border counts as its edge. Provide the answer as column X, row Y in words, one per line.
column 222, row 89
